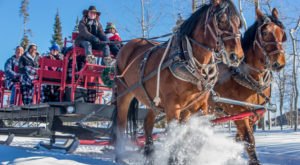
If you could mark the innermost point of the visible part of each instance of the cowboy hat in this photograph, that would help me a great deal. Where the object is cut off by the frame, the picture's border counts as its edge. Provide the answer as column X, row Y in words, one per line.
column 91, row 9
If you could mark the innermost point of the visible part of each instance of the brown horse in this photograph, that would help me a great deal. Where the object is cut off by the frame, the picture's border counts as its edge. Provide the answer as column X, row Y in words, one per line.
column 262, row 44
column 213, row 30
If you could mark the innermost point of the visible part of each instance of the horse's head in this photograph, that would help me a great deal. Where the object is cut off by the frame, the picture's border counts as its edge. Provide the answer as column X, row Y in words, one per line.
column 223, row 24
column 268, row 40
column 215, row 28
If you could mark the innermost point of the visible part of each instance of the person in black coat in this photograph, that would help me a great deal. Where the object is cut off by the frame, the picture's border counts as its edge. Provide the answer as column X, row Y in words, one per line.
column 91, row 34
column 28, row 65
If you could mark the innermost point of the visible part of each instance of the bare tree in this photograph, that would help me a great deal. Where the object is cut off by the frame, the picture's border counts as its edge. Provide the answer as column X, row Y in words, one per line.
column 147, row 19
column 280, row 81
column 143, row 19
column 194, row 5
column 257, row 4
column 242, row 15
column 294, row 43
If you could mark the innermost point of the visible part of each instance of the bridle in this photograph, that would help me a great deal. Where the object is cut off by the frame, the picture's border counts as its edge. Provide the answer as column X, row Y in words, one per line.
column 264, row 82
column 221, row 54
column 261, row 44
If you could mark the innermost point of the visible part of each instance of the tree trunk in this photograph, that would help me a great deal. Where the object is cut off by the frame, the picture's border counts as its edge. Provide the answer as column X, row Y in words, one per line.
column 263, row 123
column 282, row 79
column 194, row 5
column 291, row 116
column 269, row 120
column 257, row 6
column 143, row 19
column 295, row 87
column 281, row 114
column 242, row 15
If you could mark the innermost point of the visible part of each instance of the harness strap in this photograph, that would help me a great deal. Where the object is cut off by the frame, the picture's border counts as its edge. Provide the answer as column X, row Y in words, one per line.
column 157, row 99
column 142, row 72
column 201, row 45
column 249, row 82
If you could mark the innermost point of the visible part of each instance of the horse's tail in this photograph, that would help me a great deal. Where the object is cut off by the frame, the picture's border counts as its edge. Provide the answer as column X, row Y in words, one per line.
column 132, row 118
column 113, row 133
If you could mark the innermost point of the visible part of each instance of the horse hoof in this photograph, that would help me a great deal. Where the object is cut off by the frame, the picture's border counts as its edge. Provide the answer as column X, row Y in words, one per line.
column 148, row 150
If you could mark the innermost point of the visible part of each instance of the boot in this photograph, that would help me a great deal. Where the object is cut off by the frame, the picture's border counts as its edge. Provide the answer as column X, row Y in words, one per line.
column 91, row 59
column 107, row 60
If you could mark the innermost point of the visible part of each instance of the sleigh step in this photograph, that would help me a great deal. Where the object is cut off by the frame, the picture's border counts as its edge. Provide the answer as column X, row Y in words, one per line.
column 70, row 144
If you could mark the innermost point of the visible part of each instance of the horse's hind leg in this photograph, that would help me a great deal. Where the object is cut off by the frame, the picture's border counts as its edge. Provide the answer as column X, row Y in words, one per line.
column 148, row 129
column 245, row 133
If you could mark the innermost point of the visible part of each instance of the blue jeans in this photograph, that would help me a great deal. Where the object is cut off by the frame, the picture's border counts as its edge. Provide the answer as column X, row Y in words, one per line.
column 12, row 95
column 88, row 48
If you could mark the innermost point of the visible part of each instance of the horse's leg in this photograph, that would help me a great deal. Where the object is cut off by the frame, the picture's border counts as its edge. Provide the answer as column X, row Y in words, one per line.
column 148, row 128
column 245, row 133
column 204, row 108
column 184, row 116
column 122, row 112
column 173, row 113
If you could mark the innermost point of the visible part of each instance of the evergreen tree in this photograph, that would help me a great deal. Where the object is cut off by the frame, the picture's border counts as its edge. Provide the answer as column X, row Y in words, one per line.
column 57, row 36
column 25, row 15
column 76, row 25
column 24, row 41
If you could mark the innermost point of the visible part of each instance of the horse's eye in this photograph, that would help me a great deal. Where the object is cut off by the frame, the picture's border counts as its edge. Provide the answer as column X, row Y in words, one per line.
column 264, row 34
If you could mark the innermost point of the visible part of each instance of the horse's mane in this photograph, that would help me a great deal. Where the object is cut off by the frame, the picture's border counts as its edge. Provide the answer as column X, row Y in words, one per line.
column 249, row 36
column 189, row 25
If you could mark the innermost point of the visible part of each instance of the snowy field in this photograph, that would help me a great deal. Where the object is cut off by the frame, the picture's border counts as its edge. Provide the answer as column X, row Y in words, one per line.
column 274, row 147
column 278, row 147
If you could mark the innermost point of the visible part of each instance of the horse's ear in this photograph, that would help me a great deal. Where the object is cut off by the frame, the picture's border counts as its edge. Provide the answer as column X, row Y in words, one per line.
column 259, row 15
column 216, row 2
column 275, row 13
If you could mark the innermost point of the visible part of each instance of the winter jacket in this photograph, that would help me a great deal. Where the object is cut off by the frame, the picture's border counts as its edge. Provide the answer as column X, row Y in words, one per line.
column 11, row 76
column 56, row 57
column 89, row 30
column 28, row 68
column 113, row 37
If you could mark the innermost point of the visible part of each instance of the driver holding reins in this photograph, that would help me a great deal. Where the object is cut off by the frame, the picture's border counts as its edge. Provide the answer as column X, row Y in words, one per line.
column 91, row 34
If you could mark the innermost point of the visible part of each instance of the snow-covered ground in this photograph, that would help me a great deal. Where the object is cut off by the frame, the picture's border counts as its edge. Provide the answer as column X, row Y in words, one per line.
column 278, row 147
column 273, row 147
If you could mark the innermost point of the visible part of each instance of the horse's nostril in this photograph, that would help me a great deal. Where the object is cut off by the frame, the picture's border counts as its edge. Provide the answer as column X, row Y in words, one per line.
column 233, row 57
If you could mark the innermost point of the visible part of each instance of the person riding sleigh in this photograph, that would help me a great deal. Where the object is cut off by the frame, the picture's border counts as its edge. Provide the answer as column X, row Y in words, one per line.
column 91, row 34
column 113, row 35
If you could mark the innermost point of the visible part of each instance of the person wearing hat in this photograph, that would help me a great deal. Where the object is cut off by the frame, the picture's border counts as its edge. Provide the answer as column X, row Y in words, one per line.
column 51, row 93
column 11, row 75
column 113, row 35
column 55, row 52
column 28, row 65
column 91, row 34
